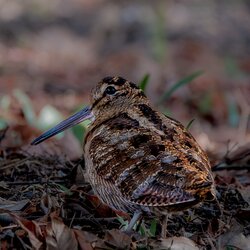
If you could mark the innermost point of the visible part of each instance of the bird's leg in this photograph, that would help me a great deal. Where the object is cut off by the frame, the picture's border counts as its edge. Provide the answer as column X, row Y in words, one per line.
column 135, row 218
column 164, row 226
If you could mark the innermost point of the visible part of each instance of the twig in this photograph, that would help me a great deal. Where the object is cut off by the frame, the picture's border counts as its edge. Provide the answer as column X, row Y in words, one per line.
column 34, row 182
column 13, row 163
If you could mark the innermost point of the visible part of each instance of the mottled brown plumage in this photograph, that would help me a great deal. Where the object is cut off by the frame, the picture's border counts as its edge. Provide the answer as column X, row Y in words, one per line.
column 137, row 158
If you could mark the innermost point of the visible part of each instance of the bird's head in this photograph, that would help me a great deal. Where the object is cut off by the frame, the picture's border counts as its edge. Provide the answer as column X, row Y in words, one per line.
column 114, row 95
column 111, row 96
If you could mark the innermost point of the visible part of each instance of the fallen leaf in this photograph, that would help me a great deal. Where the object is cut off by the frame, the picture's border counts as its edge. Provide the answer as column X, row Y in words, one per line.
column 234, row 239
column 117, row 239
column 13, row 205
column 240, row 155
column 32, row 228
column 85, row 239
column 102, row 209
column 59, row 236
column 174, row 243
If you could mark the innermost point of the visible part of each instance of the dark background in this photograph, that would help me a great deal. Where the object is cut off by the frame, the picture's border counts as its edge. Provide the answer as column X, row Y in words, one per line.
column 54, row 52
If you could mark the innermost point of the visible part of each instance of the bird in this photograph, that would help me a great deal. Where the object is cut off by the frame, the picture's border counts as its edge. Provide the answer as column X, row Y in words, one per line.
column 139, row 160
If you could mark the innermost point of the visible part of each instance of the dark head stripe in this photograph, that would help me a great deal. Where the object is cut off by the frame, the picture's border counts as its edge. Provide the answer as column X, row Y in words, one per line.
column 117, row 80
column 108, row 79
column 133, row 86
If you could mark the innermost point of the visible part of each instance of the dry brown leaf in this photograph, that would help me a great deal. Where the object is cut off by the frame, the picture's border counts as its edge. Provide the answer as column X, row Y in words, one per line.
column 48, row 203
column 86, row 240
column 32, row 228
column 59, row 236
column 118, row 239
column 234, row 238
column 240, row 155
column 174, row 243
column 102, row 209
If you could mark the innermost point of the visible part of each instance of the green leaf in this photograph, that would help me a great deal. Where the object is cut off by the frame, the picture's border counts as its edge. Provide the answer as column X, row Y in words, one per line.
column 158, row 37
column 233, row 69
column 80, row 129
column 49, row 116
column 179, row 84
column 142, row 229
column 206, row 103
column 152, row 229
column 233, row 114
column 124, row 223
column 26, row 104
column 63, row 188
column 189, row 124
column 3, row 124
column 5, row 102
column 144, row 82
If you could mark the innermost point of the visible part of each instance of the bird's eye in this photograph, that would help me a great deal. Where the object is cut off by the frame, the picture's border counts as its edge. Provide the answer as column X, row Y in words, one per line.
column 110, row 90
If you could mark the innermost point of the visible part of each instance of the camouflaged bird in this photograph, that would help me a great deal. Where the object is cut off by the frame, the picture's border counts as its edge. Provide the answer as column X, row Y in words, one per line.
column 139, row 160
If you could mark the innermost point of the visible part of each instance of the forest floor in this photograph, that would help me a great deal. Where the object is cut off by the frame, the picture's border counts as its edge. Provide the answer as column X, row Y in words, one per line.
column 46, row 202
column 52, row 54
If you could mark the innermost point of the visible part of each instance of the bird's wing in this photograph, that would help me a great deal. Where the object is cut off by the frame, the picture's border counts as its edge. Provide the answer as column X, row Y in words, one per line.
column 155, row 193
column 147, row 167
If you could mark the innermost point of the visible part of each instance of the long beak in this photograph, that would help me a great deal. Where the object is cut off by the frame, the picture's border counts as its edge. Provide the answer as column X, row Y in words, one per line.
column 78, row 117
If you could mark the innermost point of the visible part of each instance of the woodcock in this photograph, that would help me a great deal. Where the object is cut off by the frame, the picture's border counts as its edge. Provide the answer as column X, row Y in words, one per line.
column 139, row 160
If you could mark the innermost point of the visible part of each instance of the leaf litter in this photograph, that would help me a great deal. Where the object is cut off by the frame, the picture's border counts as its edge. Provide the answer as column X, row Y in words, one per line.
column 47, row 203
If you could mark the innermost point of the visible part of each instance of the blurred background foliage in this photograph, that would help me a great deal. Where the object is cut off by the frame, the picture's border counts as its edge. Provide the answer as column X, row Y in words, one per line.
column 191, row 57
